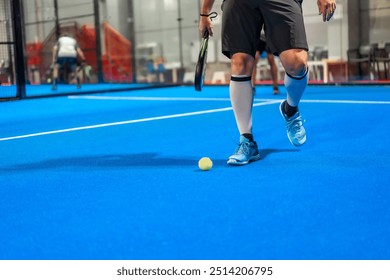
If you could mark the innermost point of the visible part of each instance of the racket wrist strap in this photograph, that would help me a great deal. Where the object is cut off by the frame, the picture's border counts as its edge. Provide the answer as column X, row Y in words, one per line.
column 211, row 15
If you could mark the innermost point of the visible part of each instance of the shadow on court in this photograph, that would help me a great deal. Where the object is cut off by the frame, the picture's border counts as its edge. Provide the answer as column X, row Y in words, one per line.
column 124, row 161
column 266, row 152
column 104, row 161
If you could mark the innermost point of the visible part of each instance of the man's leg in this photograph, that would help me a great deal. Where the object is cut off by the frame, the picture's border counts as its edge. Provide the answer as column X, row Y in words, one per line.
column 241, row 97
column 254, row 72
column 274, row 72
column 296, row 79
column 75, row 72
column 54, row 78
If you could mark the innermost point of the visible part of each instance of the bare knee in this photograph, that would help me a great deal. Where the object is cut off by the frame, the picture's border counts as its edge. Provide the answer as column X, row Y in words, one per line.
column 242, row 64
column 294, row 61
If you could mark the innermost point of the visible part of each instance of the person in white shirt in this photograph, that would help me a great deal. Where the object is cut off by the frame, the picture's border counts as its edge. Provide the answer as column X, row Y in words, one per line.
column 66, row 52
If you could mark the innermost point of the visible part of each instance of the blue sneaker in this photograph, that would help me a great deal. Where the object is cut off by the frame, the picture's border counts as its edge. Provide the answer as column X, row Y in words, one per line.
column 295, row 131
column 246, row 151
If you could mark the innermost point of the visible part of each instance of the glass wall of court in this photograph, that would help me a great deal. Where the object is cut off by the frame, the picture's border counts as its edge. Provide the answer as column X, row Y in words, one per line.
column 137, row 43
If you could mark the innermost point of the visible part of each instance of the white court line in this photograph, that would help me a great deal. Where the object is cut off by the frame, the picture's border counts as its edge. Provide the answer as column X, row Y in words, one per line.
column 263, row 102
column 347, row 101
column 130, row 122
column 142, row 98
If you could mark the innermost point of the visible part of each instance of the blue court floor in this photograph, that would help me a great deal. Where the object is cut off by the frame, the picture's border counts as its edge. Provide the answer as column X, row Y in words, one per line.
column 45, row 90
column 114, row 176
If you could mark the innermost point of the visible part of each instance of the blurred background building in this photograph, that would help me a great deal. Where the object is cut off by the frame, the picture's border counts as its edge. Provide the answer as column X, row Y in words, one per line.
column 156, row 42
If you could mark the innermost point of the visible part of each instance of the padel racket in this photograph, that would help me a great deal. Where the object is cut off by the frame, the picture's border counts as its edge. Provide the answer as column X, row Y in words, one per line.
column 200, row 69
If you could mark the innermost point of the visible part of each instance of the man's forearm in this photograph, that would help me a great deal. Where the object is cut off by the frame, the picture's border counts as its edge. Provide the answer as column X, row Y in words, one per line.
column 207, row 5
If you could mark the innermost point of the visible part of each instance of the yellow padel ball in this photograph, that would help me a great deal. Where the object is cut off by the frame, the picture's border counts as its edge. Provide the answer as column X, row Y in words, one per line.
column 205, row 164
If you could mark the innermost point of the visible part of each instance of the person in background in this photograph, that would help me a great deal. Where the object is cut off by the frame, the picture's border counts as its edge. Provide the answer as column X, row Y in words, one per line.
column 262, row 47
column 66, row 52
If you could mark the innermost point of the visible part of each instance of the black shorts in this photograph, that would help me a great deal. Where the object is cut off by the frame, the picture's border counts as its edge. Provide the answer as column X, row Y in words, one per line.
column 71, row 61
column 243, row 20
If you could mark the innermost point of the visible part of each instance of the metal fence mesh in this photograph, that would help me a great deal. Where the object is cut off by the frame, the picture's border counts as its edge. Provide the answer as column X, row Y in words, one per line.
column 7, row 59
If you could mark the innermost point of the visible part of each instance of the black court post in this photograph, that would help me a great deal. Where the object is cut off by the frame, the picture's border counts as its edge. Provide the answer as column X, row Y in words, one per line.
column 20, row 61
column 132, row 38
column 180, row 19
column 57, row 19
column 98, row 41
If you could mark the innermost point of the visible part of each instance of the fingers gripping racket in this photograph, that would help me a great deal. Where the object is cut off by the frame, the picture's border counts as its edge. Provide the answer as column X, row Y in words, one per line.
column 200, row 69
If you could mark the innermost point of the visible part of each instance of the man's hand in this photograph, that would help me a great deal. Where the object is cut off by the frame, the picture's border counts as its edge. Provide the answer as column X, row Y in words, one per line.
column 205, row 19
column 205, row 24
column 326, row 8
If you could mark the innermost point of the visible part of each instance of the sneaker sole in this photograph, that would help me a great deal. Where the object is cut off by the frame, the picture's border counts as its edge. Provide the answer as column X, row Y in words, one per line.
column 297, row 145
column 288, row 136
column 238, row 163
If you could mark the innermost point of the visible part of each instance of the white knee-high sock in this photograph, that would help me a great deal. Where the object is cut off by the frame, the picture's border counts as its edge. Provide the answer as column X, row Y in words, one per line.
column 241, row 97
column 295, row 87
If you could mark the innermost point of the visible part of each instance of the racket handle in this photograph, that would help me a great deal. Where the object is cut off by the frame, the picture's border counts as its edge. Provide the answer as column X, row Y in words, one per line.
column 206, row 34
